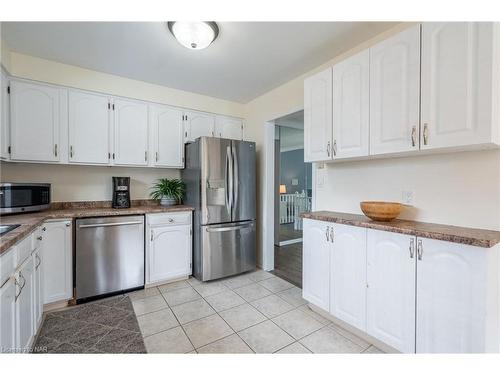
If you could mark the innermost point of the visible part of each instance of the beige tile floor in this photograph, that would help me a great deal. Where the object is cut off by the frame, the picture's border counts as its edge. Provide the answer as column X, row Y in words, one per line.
column 252, row 313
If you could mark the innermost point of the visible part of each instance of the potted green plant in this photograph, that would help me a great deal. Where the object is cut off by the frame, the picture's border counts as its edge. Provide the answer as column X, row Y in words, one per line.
column 169, row 192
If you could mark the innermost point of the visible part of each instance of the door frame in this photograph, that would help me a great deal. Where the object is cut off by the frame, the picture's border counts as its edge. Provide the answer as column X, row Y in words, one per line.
column 268, row 198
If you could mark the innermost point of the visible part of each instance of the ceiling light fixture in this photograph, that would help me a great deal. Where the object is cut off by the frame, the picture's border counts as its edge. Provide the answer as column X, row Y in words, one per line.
column 194, row 35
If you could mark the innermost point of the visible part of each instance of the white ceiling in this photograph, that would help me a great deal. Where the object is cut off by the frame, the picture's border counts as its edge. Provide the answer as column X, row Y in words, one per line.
column 247, row 59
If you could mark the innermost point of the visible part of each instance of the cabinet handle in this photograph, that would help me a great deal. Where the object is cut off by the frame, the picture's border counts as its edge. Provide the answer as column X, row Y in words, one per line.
column 68, row 224
column 152, row 236
column 156, row 156
column 335, row 147
column 71, row 151
column 426, row 134
column 39, row 261
column 170, row 220
column 412, row 248
column 413, row 136
column 328, row 148
column 420, row 250
column 55, row 150
column 39, row 238
column 145, row 156
column 327, row 233
column 44, row 229
column 21, row 287
column 331, row 234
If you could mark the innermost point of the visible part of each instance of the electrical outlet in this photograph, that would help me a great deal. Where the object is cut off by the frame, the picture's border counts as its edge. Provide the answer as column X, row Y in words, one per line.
column 408, row 197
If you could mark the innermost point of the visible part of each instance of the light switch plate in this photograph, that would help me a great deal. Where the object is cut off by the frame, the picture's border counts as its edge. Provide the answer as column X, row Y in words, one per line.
column 408, row 197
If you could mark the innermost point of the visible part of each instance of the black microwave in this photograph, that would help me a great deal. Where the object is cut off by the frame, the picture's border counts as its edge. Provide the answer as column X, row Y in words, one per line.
column 19, row 197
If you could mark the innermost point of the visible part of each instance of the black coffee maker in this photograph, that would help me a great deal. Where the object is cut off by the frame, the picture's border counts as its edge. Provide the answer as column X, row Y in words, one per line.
column 121, row 192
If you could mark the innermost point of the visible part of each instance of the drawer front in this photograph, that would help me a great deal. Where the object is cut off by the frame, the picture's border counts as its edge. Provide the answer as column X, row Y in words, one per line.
column 7, row 264
column 24, row 249
column 177, row 218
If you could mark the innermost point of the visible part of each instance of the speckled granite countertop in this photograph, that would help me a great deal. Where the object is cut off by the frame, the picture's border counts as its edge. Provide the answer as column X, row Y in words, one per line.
column 29, row 222
column 450, row 233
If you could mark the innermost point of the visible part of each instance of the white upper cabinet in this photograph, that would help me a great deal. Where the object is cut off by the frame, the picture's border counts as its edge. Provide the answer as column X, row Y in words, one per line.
column 89, row 128
column 130, row 132
column 351, row 90
column 316, row 263
column 348, row 274
column 167, row 139
column 228, row 127
column 452, row 291
column 394, row 93
column 4, row 116
column 391, row 289
column 318, row 117
column 198, row 124
column 460, row 84
column 35, row 122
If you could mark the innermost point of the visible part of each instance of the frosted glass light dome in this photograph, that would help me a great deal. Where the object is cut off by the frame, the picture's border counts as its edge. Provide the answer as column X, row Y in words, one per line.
column 194, row 35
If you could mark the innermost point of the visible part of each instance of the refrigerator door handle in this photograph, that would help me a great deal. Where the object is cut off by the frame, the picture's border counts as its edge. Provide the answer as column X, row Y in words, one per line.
column 236, row 181
column 229, row 179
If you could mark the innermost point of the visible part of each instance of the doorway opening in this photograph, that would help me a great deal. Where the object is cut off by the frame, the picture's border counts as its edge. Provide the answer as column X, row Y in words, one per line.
column 293, row 192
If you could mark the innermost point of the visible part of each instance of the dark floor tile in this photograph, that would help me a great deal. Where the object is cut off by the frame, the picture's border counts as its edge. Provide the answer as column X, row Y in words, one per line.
column 67, row 349
column 55, row 324
column 66, row 333
column 116, row 341
column 111, row 317
column 66, row 314
column 130, row 323
column 90, row 335
column 92, row 312
column 136, row 346
column 45, row 345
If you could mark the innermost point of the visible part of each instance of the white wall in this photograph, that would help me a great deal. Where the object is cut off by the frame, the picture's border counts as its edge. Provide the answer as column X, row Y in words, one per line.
column 461, row 189
column 77, row 183
column 72, row 183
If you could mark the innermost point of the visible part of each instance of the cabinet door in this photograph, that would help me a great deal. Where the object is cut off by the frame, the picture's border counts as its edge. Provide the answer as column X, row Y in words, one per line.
column 351, row 90
column 57, row 259
column 348, row 274
column 451, row 295
column 89, row 118
column 391, row 289
column 198, row 124
column 130, row 132
column 169, row 253
column 318, row 117
column 24, row 305
column 37, row 290
column 457, row 83
column 167, row 136
column 316, row 263
column 229, row 128
column 394, row 93
column 4, row 117
column 35, row 122
column 8, row 316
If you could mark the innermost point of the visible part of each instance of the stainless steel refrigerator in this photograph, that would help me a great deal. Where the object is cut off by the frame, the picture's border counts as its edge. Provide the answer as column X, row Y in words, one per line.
column 220, row 180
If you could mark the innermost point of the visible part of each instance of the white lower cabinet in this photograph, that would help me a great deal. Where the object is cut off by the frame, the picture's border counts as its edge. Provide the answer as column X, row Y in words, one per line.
column 419, row 295
column 454, row 285
column 390, row 294
column 8, row 316
column 316, row 263
column 57, row 259
column 168, row 249
column 24, row 305
column 37, row 288
column 348, row 274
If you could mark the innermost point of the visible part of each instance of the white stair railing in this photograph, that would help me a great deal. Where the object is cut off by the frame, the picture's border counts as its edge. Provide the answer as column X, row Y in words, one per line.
column 291, row 205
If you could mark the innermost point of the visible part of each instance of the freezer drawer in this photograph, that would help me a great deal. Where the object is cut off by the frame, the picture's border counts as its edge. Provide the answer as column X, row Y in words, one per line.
column 227, row 249
column 109, row 255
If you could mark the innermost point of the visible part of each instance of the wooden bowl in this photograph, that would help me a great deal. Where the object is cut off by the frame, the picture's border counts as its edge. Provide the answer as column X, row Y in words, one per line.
column 381, row 211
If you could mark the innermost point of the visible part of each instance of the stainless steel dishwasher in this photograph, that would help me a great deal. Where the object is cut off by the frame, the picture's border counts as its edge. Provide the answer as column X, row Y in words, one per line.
column 109, row 255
